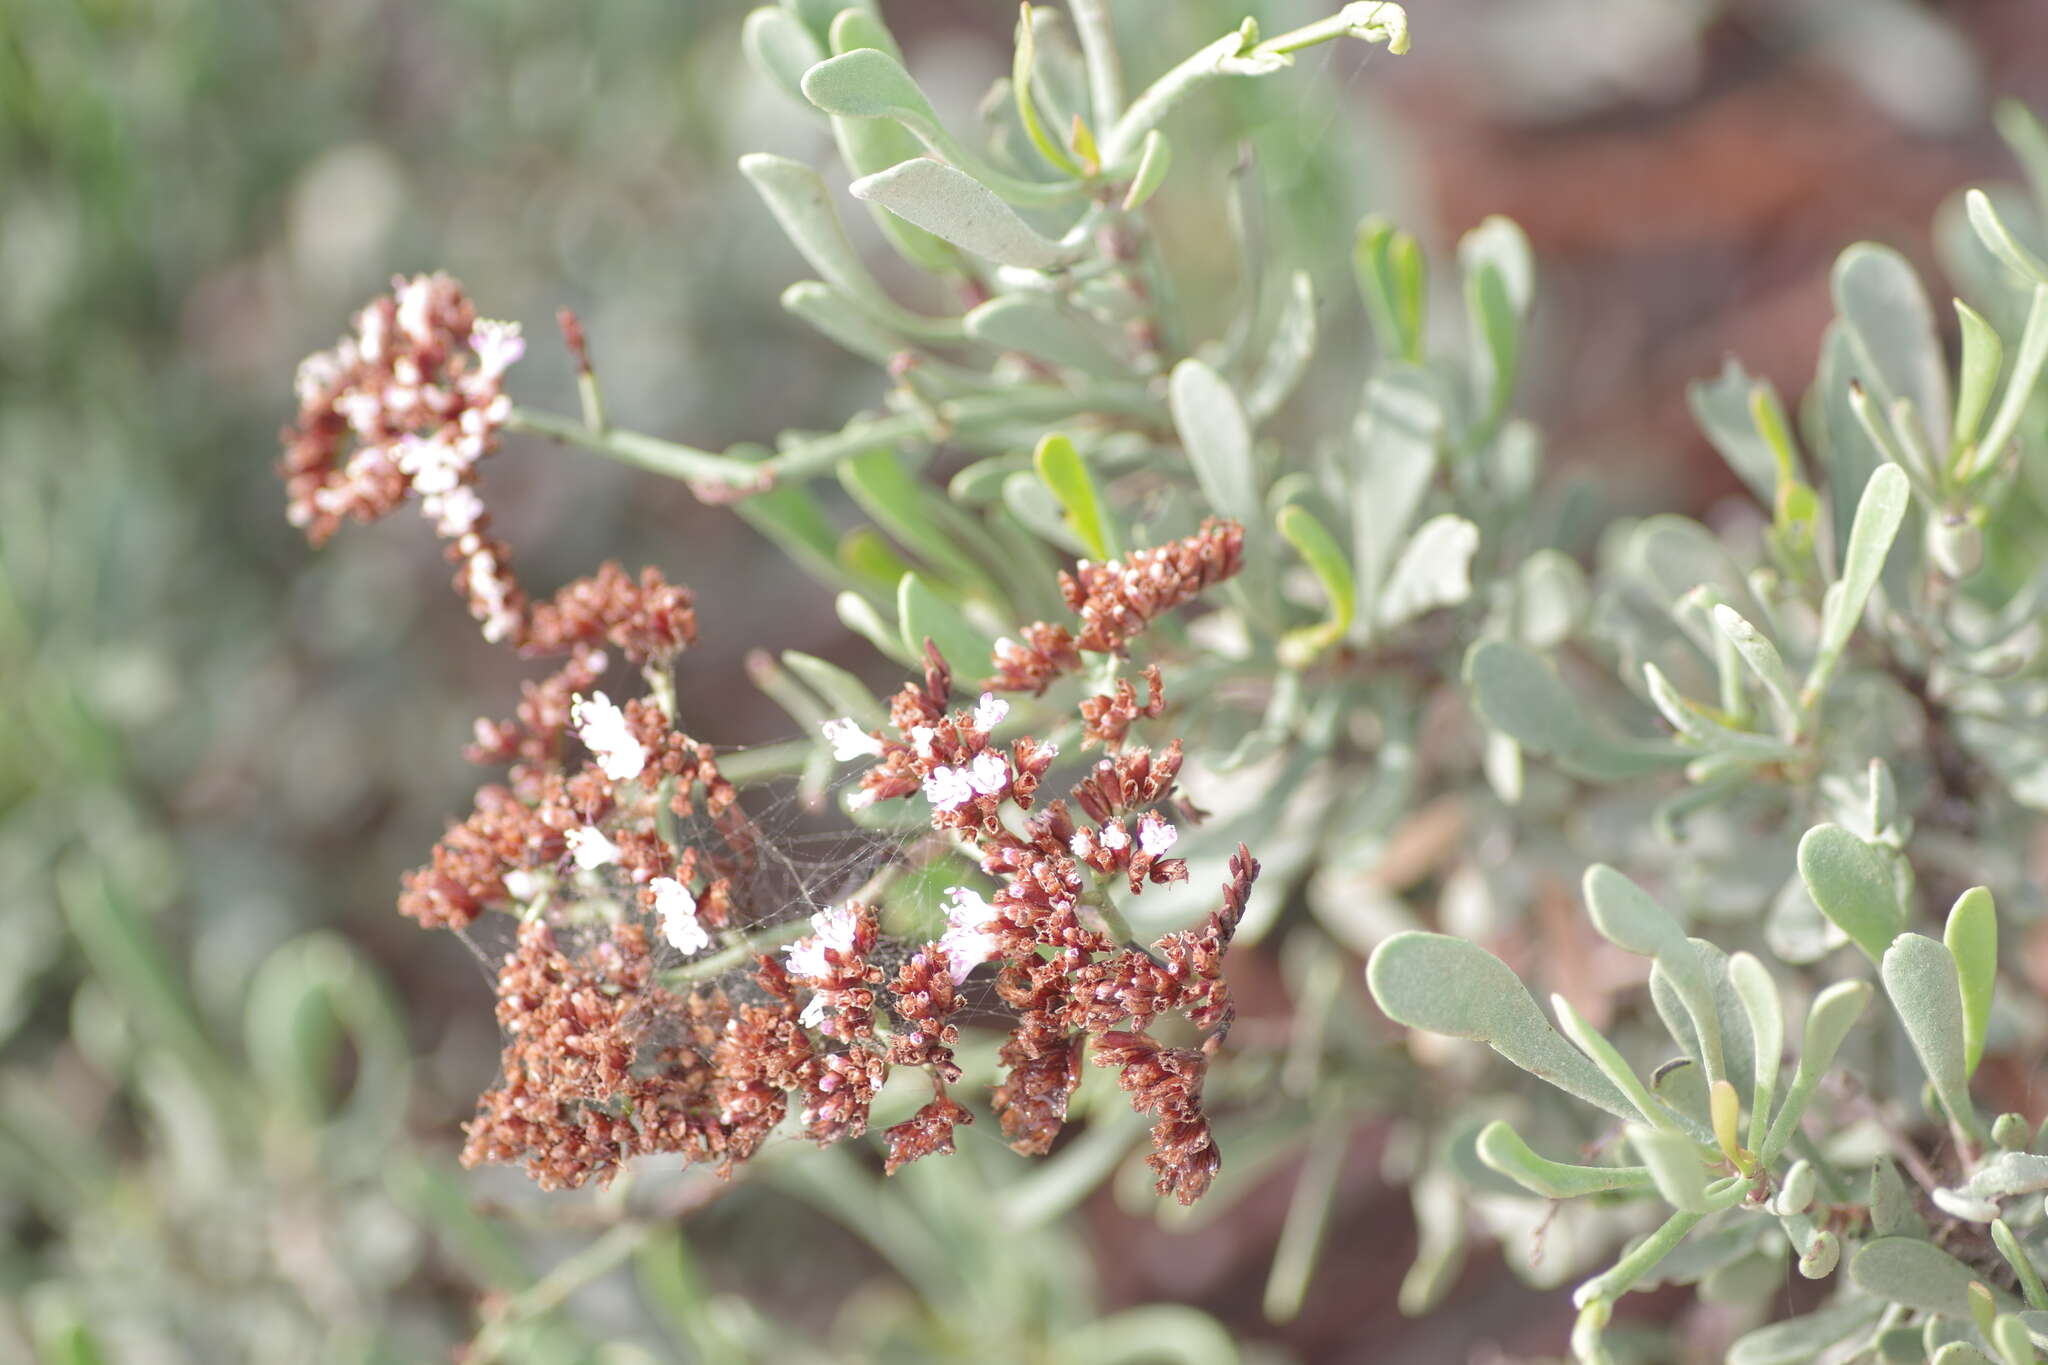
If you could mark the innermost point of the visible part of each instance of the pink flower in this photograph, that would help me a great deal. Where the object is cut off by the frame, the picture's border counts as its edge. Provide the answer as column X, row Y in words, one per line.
column 948, row 788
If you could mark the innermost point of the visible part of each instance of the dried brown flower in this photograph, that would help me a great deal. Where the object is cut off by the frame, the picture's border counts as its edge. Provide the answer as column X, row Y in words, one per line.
column 607, row 1057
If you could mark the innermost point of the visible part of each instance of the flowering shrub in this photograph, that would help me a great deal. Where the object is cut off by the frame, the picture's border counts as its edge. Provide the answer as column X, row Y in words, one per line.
column 1384, row 669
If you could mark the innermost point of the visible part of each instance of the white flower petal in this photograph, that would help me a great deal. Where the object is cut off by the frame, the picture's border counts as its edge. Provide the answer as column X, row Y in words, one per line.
column 590, row 848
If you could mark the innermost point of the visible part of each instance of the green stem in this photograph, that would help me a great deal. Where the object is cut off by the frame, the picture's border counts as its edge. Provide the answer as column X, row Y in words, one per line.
column 1159, row 98
column 591, row 400
column 2019, row 389
column 645, row 452
column 974, row 415
column 1619, row 1279
column 549, row 1292
column 1231, row 56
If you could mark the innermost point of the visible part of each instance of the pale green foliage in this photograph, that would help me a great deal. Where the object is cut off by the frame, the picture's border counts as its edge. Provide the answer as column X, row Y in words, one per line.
column 1790, row 701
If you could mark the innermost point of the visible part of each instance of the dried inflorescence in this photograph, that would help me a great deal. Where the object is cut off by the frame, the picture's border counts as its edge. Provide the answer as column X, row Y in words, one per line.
column 409, row 404
column 1116, row 601
column 609, row 1055
column 1065, row 970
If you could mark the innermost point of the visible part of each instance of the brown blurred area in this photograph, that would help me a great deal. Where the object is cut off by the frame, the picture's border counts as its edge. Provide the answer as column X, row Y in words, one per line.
column 1697, row 216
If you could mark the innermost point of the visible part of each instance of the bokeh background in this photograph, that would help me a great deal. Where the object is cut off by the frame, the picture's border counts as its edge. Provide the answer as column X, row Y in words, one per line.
column 219, row 750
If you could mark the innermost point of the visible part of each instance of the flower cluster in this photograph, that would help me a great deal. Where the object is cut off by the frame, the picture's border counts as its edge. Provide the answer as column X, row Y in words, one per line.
column 1066, row 970
column 610, row 1054
column 409, row 404
column 1116, row 601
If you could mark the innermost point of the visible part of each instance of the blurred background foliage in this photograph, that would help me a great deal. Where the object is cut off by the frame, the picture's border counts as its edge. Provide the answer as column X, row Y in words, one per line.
column 230, row 1078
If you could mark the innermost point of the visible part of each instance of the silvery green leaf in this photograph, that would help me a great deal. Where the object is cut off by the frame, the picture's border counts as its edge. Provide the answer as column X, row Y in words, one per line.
column 1834, row 1011
column 1026, row 99
column 1983, row 356
column 2007, row 1175
column 797, row 196
column 1795, row 926
column 924, row 615
column 867, row 82
column 1440, row 1227
column 1434, row 570
column 1972, row 937
column 1767, row 1031
column 1967, row 1208
column 1674, row 555
column 1612, row 1064
column 868, row 145
column 1218, row 439
column 1851, row 882
column 1449, row 986
column 1891, row 327
column 1626, row 915
column 1879, row 513
column 846, row 694
column 1705, row 1253
column 1959, row 1353
column 2022, row 1262
column 1502, row 1148
column 917, row 517
column 1689, row 988
column 790, row 516
column 952, row 204
column 1920, row 976
column 1722, row 407
column 2028, row 140
column 1693, row 721
column 1551, row 599
column 859, row 26
column 870, row 83
column 859, row 615
column 1066, row 476
column 2015, row 1345
column 1497, row 340
column 1991, row 230
column 1764, row 660
column 2019, row 388
column 1499, row 283
column 817, row 15
column 1893, row 1210
column 1042, row 328
column 1800, row 1340
column 1287, row 358
column 1032, row 503
column 1392, row 461
column 1515, row 691
column 872, row 562
column 839, row 318
column 1320, row 551
column 1155, row 158
column 1501, row 243
column 854, row 327
column 981, row 482
column 1674, row 1164
column 1390, row 272
column 1919, row 1275
column 780, row 47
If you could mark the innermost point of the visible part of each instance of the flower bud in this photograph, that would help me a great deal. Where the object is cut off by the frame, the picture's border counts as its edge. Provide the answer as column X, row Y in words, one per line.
column 2012, row 1132
column 1796, row 1195
column 1822, row 1255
